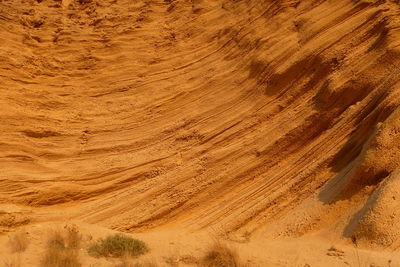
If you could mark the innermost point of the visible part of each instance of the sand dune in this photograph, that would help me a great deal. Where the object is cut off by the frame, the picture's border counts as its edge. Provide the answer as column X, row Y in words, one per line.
column 262, row 118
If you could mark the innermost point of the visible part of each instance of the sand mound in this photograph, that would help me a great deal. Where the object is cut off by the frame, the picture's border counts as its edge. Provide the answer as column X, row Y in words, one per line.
column 378, row 222
column 222, row 114
column 380, row 155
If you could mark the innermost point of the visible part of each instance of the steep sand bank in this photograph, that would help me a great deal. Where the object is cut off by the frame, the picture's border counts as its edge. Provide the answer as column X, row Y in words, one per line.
column 256, row 118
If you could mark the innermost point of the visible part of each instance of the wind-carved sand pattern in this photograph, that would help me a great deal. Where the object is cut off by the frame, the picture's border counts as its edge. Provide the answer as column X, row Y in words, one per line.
column 257, row 118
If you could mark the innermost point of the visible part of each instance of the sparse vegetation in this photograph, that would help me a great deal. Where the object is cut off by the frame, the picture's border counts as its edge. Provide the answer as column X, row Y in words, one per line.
column 62, row 250
column 219, row 255
column 118, row 245
column 19, row 242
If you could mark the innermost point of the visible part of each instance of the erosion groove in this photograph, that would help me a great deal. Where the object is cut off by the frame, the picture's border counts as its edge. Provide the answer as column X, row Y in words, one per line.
column 136, row 115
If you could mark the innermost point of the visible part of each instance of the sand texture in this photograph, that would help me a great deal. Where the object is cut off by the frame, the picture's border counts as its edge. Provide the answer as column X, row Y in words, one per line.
column 267, row 122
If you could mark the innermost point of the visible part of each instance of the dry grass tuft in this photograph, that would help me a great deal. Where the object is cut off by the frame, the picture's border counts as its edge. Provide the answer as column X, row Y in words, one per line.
column 19, row 242
column 219, row 255
column 118, row 245
column 62, row 250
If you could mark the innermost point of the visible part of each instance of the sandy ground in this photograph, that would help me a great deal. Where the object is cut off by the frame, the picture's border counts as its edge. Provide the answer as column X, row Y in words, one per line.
column 178, row 248
column 273, row 125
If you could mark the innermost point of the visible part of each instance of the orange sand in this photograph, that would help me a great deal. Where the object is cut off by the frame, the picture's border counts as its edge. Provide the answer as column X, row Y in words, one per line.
column 273, row 124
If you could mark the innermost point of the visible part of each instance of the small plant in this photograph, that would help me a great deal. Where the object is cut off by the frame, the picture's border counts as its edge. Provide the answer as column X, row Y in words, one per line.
column 62, row 250
column 19, row 242
column 219, row 255
column 117, row 246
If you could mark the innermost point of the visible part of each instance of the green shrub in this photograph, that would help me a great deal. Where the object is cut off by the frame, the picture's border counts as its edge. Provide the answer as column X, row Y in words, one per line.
column 117, row 246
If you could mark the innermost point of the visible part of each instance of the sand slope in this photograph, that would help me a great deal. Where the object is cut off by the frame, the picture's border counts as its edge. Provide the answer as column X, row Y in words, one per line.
column 255, row 117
